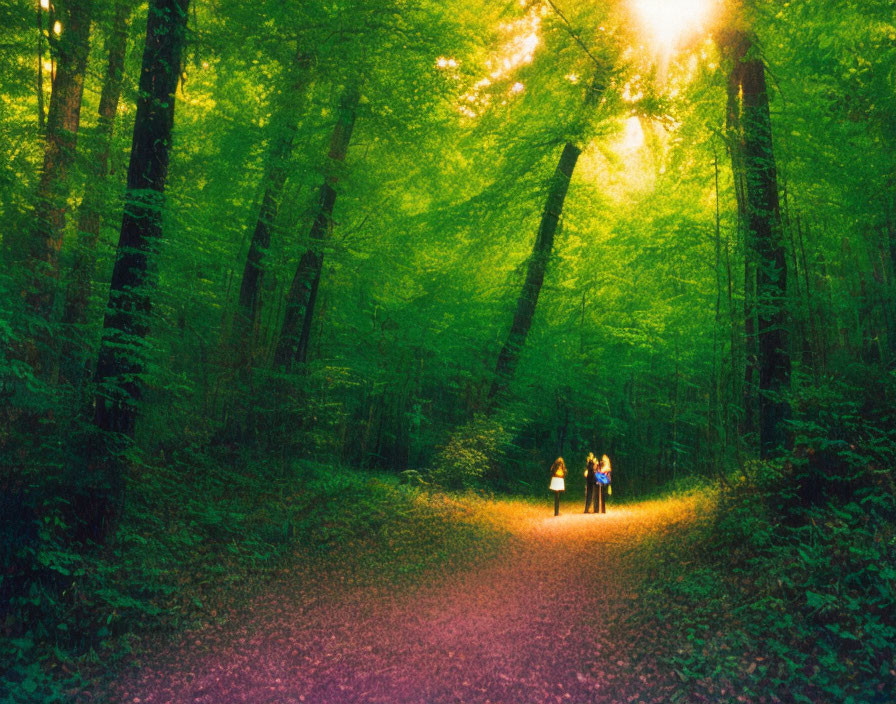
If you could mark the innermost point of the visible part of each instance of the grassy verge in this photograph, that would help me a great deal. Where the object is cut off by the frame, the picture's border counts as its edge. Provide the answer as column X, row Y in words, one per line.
column 198, row 539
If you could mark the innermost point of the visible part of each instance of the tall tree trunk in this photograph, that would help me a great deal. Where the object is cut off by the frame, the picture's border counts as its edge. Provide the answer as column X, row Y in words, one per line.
column 771, row 270
column 582, row 325
column 815, row 342
column 807, row 329
column 538, row 262
column 90, row 212
column 750, row 390
column 70, row 48
column 274, row 180
column 293, row 344
column 41, row 115
column 890, row 225
column 734, row 127
column 120, row 359
column 719, row 417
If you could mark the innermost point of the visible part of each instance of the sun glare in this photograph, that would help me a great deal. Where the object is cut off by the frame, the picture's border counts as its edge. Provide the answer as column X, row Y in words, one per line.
column 521, row 39
column 670, row 21
column 632, row 137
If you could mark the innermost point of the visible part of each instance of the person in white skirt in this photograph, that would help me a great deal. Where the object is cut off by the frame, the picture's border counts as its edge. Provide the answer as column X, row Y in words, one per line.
column 558, row 482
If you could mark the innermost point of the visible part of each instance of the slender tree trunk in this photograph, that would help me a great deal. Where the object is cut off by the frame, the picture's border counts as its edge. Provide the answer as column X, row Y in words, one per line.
column 41, row 115
column 243, row 332
column 562, row 404
column 676, row 399
column 70, row 48
column 800, row 326
column 815, row 341
column 253, row 270
column 538, row 262
column 891, row 232
column 305, row 337
column 750, row 393
column 716, row 395
column 732, row 319
column 771, row 271
column 582, row 326
column 890, row 225
column 809, row 325
column 293, row 344
column 120, row 359
column 275, row 175
column 733, row 351
column 800, row 321
column 95, row 190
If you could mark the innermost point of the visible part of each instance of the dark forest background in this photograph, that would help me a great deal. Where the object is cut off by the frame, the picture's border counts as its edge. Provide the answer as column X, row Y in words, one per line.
column 245, row 243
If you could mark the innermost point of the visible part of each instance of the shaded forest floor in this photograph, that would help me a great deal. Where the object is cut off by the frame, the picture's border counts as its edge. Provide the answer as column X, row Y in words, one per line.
column 331, row 586
column 544, row 609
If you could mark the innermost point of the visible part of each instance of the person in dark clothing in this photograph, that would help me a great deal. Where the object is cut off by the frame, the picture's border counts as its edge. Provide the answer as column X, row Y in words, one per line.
column 558, row 482
column 591, row 490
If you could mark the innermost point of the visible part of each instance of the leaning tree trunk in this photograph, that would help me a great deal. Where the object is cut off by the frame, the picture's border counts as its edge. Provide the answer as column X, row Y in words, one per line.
column 70, row 48
column 274, row 180
column 538, row 262
column 764, row 224
column 295, row 333
column 120, row 361
column 242, row 336
column 95, row 190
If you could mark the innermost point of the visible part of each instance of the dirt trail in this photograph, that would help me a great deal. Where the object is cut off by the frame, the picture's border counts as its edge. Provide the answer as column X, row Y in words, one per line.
column 541, row 622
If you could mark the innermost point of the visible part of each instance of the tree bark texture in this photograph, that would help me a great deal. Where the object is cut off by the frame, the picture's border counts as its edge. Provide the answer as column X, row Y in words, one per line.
column 70, row 49
column 120, row 361
column 295, row 333
column 90, row 212
column 541, row 254
column 274, row 180
column 738, row 45
column 764, row 222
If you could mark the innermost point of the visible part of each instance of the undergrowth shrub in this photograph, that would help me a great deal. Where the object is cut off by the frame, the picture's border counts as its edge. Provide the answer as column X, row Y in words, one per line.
column 793, row 595
column 473, row 452
column 198, row 533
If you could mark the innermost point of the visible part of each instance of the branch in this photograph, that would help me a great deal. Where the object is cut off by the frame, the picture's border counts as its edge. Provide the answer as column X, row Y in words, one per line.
column 574, row 35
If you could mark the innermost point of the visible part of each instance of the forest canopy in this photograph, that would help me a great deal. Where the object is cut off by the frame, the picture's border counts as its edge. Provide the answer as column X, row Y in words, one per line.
column 347, row 206
column 344, row 213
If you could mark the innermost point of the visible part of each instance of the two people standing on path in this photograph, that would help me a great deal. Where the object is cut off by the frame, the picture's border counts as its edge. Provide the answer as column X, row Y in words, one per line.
column 597, row 476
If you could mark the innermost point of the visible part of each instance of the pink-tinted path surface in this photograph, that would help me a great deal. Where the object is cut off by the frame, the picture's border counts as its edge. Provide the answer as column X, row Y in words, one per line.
column 543, row 621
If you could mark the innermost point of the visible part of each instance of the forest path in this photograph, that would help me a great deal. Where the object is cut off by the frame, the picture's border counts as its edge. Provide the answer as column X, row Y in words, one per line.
column 542, row 621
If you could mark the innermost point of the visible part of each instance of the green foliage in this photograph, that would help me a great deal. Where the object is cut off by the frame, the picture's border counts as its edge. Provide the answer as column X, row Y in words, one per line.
column 792, row 592
column 473, row 453
column 186, row 549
